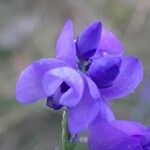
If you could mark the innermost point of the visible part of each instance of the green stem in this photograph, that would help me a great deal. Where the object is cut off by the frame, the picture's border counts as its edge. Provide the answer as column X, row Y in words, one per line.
column 64, row 130
column 66, row 145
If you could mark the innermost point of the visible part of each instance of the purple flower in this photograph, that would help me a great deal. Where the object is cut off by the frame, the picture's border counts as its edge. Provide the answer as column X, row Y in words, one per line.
column 114, row 74
column 86, row 71
column 118, row 135
column 61, row 83
column 116, row 77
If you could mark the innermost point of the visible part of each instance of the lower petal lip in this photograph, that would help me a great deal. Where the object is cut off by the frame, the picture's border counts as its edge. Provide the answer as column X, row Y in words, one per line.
column 64, row 77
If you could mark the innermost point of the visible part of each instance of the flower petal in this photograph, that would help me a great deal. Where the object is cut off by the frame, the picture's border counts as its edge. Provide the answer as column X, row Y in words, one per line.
column 88, row 39
column 51, row 83
column 103, row 71
column 92, row 88
column 145, row 140
column 131, row 73
column 29, row 85
column 80, row 116
column 129, row 127
column 105, row 112
column 65, row 46
column 51, row 102
column 109, row 44
column 103, row 136
column 71, row 77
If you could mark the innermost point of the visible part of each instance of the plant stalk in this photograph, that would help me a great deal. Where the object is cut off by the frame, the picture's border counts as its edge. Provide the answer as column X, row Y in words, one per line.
column 66, row 144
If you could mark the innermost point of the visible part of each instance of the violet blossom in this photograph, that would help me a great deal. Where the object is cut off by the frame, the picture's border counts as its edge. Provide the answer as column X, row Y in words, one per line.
column 87, row 70
column 118, row 135
column 61, row 82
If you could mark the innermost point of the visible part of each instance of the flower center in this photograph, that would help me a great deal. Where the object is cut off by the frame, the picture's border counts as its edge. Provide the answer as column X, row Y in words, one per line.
column 64, row 87
column 84, row 65
column 53, row 101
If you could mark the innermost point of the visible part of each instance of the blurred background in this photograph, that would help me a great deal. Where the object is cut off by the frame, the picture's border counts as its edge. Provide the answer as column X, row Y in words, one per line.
column 28, row 31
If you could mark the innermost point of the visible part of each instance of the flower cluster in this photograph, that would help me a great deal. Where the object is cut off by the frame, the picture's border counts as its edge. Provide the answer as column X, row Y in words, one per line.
column 89, row 70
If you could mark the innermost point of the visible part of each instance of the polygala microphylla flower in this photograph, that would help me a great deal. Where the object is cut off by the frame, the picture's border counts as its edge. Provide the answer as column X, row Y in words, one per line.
column 87, row 70
column 118, row 135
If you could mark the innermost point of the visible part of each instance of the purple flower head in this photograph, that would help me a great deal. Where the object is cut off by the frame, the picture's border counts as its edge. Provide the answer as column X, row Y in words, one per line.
column 81, row 77
column 61, row 83
column 118, row 135
column 100, row 55
column 116, row 77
